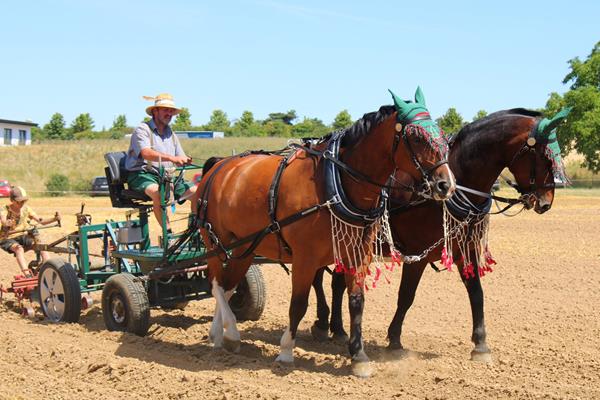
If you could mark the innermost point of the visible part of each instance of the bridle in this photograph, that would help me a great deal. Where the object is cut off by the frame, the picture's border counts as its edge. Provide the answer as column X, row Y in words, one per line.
column 426, row 180
column 529, row 149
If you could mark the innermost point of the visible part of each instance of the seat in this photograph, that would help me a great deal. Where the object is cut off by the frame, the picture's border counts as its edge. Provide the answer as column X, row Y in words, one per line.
column 116, row 175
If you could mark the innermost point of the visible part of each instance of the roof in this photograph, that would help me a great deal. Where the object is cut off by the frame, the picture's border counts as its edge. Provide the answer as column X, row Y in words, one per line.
column 8, row 121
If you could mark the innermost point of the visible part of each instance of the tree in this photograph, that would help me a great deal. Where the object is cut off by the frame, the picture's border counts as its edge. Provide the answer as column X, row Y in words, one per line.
column 37, row 134
column 581, row 131
column 277, row 128
column 83, row 122
column 247, row 126
column 55, row 129
column 287, row 118
column 480, row 114
column 120, row 123
column 218, row 122
column 309, row 127
column 342, row 120
column 183, row 121
column 451, row 122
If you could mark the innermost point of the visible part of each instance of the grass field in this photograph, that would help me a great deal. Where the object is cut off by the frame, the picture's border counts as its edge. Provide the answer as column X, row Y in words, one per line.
column 32, row 166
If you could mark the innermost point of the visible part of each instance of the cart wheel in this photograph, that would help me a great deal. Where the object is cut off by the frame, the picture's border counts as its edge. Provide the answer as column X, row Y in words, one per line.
column 59, row 291
column 248, row 301
column 125, row 305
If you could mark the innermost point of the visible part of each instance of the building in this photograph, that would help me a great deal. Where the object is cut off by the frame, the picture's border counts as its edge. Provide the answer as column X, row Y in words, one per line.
column 200, row 134
column 15, row 133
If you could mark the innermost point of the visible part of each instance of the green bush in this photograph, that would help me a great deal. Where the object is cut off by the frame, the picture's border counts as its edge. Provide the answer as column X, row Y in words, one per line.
column 57, row 185
column 82, row 186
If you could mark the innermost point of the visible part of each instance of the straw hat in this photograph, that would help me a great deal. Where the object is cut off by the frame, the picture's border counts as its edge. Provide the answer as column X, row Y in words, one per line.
column 164, row 100
column 17, row 193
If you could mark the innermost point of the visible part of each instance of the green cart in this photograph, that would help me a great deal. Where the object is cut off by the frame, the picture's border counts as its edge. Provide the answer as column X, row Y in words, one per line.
column 133, row 275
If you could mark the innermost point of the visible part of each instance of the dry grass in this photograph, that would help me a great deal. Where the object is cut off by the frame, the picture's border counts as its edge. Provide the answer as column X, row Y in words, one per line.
column 31, row 166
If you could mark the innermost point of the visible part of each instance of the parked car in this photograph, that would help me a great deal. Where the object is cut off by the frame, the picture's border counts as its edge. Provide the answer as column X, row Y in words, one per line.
column 99, row 186
column 4, row 188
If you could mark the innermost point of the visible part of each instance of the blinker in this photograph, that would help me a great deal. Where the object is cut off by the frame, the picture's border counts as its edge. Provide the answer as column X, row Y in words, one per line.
column 398, row 127
column 531, row 141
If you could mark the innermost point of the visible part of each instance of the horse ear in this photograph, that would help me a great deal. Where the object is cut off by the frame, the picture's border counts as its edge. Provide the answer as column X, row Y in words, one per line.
column 420, row 97
column 557, row 119
column 400, row 104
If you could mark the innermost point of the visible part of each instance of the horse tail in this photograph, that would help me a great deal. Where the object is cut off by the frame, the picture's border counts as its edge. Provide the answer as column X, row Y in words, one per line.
column 208, row 164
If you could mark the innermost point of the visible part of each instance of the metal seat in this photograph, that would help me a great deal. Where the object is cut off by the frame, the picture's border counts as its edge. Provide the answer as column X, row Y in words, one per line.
column 116, row 175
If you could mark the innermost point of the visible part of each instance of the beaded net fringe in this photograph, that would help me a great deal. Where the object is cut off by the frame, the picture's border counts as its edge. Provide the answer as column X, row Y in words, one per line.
column 469, row 233
column 358, row 250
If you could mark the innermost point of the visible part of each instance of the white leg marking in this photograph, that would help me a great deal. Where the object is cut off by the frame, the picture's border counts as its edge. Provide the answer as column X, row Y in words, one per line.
column 286, row 352
column 227, row 316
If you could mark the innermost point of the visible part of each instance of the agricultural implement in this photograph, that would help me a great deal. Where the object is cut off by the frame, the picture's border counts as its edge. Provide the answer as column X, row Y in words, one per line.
column 133, row 275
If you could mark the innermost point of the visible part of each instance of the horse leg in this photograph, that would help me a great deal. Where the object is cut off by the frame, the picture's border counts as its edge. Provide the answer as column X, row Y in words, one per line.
column 481, row 352
column 302, row 277
column 411, row 276
column 215, row 334
column 320, row 327
column 232, row 275
column 338, row 286
column 361, row 366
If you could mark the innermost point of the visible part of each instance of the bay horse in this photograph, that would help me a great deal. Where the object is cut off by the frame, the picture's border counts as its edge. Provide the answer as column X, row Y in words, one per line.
column 517, row 139
column 341, row 177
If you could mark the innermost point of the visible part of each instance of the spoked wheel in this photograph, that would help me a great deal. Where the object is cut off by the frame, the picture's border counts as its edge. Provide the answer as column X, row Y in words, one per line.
column 59, row 291
column 248, row 301
column 125, row 305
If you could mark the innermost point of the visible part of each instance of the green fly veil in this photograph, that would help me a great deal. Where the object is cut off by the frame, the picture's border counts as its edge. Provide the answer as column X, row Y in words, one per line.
column 416, row 120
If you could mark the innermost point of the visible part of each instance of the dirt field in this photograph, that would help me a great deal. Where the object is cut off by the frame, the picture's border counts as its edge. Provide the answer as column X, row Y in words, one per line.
column 542, row 317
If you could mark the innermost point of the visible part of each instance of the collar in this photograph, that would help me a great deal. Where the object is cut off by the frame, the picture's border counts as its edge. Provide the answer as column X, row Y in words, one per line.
column 152, row 125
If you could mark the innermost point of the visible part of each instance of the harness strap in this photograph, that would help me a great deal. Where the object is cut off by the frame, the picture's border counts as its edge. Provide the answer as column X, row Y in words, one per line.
column 273, row 197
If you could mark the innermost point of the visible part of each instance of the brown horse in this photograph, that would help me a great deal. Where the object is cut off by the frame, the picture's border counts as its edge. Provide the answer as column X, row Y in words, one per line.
column 239, row 197
column 515, row 139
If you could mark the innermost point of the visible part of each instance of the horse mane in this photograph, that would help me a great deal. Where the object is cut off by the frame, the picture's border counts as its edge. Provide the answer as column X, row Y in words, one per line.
column 491, row 118
column 361, row 127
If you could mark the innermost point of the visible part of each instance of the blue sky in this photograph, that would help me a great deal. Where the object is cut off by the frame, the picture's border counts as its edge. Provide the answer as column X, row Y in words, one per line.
column 317, row 57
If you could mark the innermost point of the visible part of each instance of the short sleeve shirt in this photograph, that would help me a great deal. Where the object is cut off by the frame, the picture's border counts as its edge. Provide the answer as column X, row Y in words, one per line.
column 146, row 136
column 21, row 220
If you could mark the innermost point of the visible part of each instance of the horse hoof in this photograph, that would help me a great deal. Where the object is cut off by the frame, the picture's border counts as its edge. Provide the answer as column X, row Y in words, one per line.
column 340, row 338
column 320, row 335
column 285, row 359
column 479, row 356
column 232, row 346
column 362, row 369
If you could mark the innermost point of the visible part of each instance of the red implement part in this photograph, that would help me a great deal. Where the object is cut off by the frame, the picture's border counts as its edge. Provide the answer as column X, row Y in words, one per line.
column 22, row 287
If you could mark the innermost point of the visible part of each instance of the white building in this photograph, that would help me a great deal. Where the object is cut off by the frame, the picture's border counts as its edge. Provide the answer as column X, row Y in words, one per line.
column 15, row 133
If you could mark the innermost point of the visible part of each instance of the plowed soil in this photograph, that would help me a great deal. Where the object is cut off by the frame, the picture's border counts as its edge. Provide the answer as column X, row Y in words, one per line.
column 542, row 317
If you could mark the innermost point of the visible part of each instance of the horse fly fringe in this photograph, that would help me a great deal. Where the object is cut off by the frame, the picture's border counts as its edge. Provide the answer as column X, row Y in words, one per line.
column 473, row 233
column 362, row 249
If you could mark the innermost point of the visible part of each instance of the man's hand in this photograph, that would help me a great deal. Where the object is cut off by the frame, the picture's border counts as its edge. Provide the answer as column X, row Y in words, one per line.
column 181, row 160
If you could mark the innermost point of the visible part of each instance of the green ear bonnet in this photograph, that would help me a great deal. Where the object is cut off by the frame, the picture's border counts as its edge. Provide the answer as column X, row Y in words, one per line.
column 415, row 118
column 546, row 133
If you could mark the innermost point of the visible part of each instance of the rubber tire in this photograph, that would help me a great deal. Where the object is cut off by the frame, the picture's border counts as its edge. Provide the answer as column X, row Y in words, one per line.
column 249, row 298
column 70, row 282
column 132, row 294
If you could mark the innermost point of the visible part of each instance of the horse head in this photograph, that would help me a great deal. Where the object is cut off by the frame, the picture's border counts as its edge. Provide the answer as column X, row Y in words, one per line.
column 425, row 146
column 538, row 164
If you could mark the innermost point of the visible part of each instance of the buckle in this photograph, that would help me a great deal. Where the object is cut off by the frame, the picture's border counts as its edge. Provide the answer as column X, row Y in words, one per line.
column 274, row 227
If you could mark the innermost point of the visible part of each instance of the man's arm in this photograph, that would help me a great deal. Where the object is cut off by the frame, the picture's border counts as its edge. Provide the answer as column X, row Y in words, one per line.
column 43, row 221
column 153, row 155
